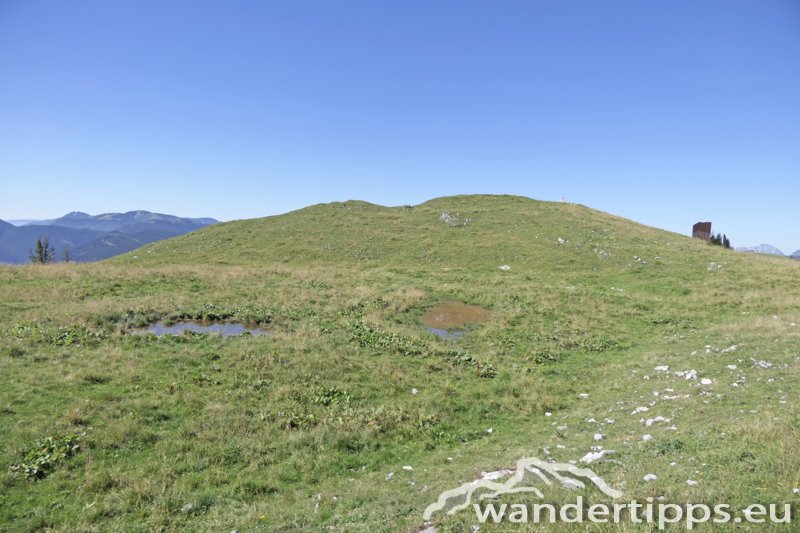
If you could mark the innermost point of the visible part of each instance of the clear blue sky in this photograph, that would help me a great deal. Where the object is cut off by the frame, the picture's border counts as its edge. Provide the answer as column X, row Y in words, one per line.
column 663, row 111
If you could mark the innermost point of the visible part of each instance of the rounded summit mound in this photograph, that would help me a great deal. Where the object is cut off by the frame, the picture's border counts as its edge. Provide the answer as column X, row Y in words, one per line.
column 470, row 231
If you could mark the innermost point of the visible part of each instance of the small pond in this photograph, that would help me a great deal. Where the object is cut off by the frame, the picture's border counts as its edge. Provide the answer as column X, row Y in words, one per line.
column 227, row 329
column 447, row 320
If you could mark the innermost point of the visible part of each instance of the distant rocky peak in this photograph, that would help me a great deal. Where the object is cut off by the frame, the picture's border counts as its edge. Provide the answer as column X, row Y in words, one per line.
column 760, row 249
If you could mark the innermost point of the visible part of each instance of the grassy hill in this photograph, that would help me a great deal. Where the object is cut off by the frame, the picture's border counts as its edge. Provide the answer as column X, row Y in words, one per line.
column 310, row 428
column 441, row 232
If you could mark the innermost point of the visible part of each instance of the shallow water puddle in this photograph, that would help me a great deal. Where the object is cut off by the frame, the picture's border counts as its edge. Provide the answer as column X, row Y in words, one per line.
column 448, row 318
column 227, row 329
column 447, row 334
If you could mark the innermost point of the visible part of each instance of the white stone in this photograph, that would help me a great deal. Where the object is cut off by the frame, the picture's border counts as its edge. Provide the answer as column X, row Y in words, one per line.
column 496, row 474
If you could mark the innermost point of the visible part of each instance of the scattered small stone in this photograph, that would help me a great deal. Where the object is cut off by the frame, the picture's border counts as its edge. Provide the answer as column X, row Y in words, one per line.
column 490, row 430
column 583, row 396
column 650, row 477
column 496, row 474
column 691, row 482
column 598, row 436
column 408, row 468
column 732, row 367
column 187, row 507
column 662, row 368
column 548, row 413
column 647, row 437
column 571, row 484
column 706, row 381
column 591, row 457
column 650, row 421
column 389, row 476
column 504, row 268
column 414, row 391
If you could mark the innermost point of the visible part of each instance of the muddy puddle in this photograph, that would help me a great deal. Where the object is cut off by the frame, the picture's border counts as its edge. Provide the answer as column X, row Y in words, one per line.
column 447, row 333
column 227, row 329
column 448, row 319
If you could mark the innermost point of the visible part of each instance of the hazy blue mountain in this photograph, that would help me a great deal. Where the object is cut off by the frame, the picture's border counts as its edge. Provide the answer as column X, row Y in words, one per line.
column 795, row 255
column 91, row 238
column 130, row 222
column 4, row 226
column 21, row 221
column 205, row 221
column 760, row 249
column 16, row 243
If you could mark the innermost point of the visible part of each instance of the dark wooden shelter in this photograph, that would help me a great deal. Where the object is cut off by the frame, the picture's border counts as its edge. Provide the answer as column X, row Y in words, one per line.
column 702, row 230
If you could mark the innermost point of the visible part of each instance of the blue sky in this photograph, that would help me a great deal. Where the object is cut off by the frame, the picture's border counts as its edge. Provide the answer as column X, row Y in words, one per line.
column 666, row 112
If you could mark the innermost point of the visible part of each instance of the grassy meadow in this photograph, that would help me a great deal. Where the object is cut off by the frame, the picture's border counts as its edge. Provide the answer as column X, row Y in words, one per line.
column 310, row 427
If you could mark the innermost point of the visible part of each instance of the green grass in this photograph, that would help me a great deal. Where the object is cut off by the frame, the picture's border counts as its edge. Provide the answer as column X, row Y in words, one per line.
column 297, row 431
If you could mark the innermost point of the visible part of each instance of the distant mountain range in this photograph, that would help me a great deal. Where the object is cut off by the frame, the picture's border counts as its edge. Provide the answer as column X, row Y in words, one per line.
column 767, row 249
column 91, row 238
column 760, row 249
